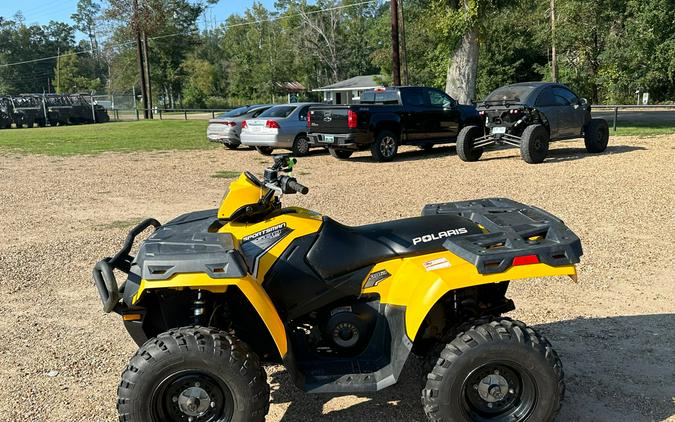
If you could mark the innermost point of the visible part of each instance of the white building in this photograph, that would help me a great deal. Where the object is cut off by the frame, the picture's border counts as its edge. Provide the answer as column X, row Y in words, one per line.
column 349, row 90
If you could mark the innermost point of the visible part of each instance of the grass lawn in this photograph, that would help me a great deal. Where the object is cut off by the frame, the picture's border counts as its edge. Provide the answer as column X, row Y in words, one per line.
column 114, row 136
column 641, row 129
column 170, row 135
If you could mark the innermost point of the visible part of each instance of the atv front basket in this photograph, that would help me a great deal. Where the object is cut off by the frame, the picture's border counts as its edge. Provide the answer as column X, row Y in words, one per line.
column 512, row 230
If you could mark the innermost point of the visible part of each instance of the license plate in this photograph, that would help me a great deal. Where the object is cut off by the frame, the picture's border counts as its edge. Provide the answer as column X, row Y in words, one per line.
column 255, row 128
column 499, row 129
column 329, row 139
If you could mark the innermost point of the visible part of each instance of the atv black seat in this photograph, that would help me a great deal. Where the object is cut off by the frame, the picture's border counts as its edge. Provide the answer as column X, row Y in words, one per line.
column 514, row 230
column 341, row 249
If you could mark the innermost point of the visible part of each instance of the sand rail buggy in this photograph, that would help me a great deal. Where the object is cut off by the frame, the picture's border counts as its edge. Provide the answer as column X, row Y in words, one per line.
column 212, row 294
column 528, row 116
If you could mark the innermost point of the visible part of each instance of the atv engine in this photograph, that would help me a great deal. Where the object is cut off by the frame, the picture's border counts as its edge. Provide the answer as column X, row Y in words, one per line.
column 343, row 329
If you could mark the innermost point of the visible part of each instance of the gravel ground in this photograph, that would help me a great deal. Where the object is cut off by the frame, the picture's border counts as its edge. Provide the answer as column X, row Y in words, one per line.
column 60, row 357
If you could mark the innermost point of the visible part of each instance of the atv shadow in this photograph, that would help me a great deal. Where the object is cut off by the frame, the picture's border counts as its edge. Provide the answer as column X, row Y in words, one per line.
column 558, row 155
column 616, row 369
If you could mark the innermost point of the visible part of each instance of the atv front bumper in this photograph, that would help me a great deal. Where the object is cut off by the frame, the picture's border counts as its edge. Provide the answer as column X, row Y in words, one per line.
column 103, row 275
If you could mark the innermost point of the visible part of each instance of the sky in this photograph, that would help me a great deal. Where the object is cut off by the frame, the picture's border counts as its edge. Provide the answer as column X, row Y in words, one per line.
column 42, row 11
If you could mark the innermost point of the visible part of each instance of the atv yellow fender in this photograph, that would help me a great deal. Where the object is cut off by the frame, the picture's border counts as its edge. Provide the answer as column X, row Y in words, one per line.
column 249, row 287
column 419, row 282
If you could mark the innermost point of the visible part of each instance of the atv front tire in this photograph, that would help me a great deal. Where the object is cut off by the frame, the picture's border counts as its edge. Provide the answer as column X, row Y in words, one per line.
column 265, row 150
column 385, row 146
column 596, row 135
column 534, row 144
column 465, row 140
column 496, row 371
column 340, row 154
column 193, row 374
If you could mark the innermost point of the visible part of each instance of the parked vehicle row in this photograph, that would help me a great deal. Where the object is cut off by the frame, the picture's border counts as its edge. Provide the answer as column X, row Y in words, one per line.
column 526, row 115
column 28, row 110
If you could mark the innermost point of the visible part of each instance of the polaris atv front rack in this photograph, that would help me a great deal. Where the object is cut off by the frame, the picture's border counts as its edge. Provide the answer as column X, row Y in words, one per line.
column 103, row 275
column 516, row 234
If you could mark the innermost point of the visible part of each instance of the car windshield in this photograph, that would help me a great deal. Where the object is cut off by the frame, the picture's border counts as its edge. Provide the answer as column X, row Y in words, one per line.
column 236, row 112
column 510, row 94
column 278, row 111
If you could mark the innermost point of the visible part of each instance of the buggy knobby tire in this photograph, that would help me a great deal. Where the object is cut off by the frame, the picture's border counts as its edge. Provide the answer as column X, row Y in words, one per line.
column 385, row 146
column 596, row 135
column 504, row 358
column 465, row 140
column 534, row 144
column 340, row 154
column 193, row 373
column 265, row 150
column 301, row 146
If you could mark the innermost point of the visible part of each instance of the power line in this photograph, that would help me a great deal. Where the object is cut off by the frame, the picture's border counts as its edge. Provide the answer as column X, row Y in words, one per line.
column 273, row 19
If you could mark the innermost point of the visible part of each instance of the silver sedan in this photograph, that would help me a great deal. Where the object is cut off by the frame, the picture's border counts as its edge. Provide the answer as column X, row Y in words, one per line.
column 226, row 127
column 282, row 126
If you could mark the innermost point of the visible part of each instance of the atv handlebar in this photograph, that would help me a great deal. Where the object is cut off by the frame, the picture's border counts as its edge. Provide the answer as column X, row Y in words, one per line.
column 297, row 187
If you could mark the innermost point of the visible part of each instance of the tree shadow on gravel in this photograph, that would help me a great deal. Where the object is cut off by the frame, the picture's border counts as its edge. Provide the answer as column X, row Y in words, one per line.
column 558, row 155
column 616, row 369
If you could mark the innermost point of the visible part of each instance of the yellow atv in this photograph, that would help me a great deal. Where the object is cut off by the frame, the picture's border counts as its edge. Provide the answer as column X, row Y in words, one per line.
column 212, row 295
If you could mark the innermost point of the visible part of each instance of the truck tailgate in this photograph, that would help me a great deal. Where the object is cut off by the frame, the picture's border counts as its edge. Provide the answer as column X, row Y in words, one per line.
column 328, row 119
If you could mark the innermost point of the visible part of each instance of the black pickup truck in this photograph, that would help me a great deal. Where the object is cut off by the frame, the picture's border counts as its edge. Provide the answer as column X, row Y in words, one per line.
column 388, row 117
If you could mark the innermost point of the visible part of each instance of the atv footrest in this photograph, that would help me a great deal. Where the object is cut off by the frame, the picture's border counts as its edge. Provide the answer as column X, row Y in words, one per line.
column 512, row 230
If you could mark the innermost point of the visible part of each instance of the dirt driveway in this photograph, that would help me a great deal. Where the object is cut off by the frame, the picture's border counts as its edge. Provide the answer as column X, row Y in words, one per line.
column 60, row 357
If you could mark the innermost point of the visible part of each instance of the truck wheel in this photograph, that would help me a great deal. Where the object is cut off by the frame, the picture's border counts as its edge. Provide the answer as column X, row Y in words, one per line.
column 385, row 146
column 596, row 135
column 534, row 144
column 465, row 141
column 300, row 146
column 265, row 150
column 341, row 154
column 496, row 371
column 193, row 374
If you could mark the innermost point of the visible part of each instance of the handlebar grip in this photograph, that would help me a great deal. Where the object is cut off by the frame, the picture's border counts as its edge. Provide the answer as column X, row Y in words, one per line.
column 298, row 187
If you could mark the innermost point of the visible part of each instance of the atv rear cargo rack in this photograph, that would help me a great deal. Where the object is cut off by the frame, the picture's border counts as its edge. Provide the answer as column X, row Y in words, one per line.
column 515, row 234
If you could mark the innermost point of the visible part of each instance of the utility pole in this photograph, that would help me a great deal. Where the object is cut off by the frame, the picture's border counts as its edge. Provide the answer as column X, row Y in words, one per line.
column 395, row 59
column 146, row 63
column 404, row 51
column 141, row 60
column 58, row 70
column 554, row 57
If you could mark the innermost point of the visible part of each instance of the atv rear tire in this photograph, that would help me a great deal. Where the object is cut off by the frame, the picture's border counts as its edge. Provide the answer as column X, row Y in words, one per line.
column 301, row 146
column 534, row 144
column 340, row 154
column 465, row 140
column 265, row 150
column 385, row 146
column 596, row 135
column 496, row 371
column 193, row 373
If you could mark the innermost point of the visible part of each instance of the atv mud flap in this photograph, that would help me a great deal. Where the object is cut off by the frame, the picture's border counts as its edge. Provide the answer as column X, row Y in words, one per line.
column 515, row 234
column 103, row 275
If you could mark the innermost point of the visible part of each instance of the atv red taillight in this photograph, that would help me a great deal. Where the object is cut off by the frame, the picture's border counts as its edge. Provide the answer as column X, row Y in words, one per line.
column 525, row 260
column 352, row 119
column 243, row 124
column 272, row 124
